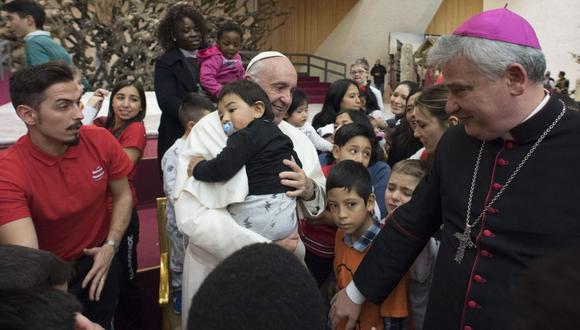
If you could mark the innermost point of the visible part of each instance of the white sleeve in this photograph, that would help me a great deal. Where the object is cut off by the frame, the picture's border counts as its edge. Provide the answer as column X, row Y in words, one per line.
column 319, row 143
column 354, row 294
column 89, row 113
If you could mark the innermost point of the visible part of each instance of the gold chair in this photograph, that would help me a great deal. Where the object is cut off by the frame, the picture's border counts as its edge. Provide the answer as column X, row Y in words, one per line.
column 169, row 320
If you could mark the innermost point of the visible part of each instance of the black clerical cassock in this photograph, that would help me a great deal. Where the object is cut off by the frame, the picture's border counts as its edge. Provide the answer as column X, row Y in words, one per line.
column 536, row 215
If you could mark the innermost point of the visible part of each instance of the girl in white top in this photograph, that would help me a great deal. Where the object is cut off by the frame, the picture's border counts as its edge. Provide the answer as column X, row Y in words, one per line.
column 297, row 116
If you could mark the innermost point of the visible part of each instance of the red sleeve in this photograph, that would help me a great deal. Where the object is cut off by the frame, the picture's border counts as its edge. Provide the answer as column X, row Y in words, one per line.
column 326, row 169
column 134, row 136
column 118, row 163
column 13, row 197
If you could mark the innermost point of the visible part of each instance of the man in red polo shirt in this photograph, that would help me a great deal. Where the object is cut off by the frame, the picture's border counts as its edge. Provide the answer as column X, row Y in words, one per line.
column 54, row 182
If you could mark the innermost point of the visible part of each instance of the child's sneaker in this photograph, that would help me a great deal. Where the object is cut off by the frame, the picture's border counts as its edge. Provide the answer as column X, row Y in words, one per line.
column 176, row 302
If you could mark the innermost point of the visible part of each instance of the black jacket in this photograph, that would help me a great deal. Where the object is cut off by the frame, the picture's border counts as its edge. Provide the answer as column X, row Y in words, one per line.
column 173, row 79
column 537, row 215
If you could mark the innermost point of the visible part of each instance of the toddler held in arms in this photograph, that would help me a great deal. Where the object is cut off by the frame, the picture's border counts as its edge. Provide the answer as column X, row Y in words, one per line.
column 255, row 142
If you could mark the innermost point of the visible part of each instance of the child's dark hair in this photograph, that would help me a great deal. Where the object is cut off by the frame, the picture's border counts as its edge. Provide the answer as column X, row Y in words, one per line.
column 110, row 124
column 361, row 118
column 254, row 279
column 229, row 27
column 412, row 167
column 352, row 130
column 25, row 8
column 192, row 108
column 350, row 175
column 249, row 92
column 298, row 98
column 48, row 308
column 24, row 268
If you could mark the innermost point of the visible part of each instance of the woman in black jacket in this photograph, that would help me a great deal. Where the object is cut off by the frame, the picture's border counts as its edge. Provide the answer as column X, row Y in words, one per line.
column 182, row 31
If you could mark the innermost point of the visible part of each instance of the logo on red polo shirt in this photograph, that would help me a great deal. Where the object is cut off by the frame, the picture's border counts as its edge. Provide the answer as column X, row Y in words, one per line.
column 98, row 173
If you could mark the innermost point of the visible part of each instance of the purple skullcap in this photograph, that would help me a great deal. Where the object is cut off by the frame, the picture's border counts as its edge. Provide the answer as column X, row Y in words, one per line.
column 501, row 25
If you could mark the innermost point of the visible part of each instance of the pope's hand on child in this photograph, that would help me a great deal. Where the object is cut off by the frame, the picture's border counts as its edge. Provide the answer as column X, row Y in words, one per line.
column 193, row 163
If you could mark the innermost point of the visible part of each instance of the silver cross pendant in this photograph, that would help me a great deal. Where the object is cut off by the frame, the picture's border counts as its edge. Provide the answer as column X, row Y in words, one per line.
column 464, row 243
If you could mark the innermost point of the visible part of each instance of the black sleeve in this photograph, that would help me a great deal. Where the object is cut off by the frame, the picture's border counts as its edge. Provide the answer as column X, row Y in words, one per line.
column 166, row 89
column 401, row 240
column 228, row 162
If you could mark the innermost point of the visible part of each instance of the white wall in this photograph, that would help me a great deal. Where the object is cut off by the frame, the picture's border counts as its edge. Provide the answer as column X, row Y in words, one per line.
column 364, row 31
column 557, row 25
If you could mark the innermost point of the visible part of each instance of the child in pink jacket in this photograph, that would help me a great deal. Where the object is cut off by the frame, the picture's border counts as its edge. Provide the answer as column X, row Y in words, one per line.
column 221, row 63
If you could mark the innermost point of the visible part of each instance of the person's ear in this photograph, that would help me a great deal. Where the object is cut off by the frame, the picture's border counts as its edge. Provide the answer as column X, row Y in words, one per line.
column 452, row 121
column 335, row 151
column 371, row 202
column 28, row 115
column 191, row 123
column 517, row 79
column 259, row 109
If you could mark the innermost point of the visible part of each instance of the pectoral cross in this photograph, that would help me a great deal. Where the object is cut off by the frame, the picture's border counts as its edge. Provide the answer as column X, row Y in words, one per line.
column 464, row 243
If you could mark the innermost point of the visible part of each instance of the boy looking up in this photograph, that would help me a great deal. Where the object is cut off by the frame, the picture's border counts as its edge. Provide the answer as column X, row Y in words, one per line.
column 351, row 203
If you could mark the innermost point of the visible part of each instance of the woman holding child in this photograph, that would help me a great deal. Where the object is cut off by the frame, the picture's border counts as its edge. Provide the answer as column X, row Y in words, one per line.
column 182, row 31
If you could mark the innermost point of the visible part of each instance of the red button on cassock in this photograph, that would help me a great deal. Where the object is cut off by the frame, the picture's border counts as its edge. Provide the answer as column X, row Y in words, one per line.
column 496, row 186
column 509, row 145
column 502, row 162
column 479, row 278
column 487, row 233
column 472, row 304
column 484, row 253
column 467, row 327
column 491, row 210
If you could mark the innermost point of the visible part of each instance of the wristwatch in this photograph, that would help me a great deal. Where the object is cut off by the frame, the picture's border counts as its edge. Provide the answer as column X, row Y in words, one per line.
column 111, row 243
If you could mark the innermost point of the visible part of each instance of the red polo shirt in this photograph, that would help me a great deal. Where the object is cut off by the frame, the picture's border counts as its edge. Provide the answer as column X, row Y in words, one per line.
column 65, row 196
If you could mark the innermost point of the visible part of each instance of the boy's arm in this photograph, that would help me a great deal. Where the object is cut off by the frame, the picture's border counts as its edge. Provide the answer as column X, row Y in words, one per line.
column 228, row 162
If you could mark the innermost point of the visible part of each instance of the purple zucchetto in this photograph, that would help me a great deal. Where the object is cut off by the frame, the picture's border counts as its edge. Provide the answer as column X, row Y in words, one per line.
column 501, row 25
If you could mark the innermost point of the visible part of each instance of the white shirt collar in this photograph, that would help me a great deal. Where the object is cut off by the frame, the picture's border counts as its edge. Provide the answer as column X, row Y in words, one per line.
column 188, row 53
column 36, row 33
column 508, row 136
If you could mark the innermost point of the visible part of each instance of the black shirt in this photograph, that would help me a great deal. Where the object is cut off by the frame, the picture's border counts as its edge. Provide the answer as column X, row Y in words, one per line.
column 261, row 146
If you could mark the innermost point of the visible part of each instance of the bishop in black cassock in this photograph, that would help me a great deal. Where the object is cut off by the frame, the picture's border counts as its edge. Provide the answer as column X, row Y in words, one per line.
column 536, row 215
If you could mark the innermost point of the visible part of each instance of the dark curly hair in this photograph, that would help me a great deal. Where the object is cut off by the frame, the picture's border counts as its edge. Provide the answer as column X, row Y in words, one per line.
column 174, row 15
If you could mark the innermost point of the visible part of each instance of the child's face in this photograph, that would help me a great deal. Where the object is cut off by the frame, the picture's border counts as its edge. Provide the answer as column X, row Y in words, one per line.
column 358, row 149
column 232, row 108
column 349, row 211
column 229, row 44
column 126, row 103
column 350, row 99
column 299, row 117
column 340, row 120
column 399, row 190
